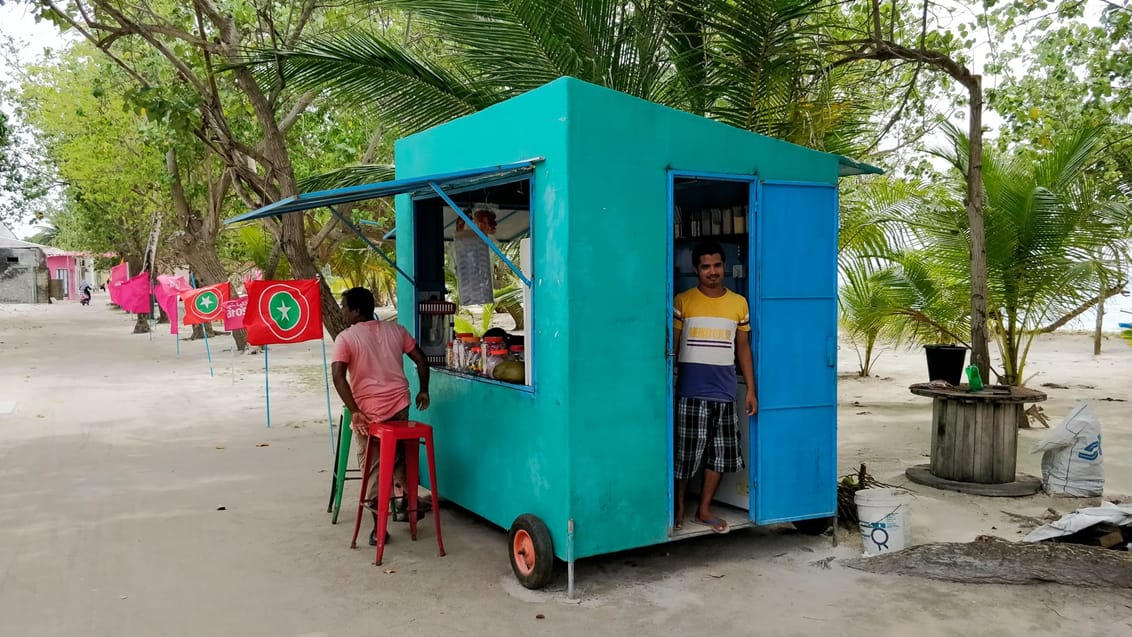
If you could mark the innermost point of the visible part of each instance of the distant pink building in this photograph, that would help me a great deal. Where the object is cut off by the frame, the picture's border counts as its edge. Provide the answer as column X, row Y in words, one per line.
column 70, row 268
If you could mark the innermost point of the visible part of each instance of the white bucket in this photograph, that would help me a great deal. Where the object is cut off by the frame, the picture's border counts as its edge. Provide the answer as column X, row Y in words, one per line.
column 884, row 519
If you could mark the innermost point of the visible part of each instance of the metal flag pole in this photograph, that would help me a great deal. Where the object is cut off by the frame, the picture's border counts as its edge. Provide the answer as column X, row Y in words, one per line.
column 204, row 330
column 266, row 387
column 176, row 321
column 207, row 349
column 326, row 377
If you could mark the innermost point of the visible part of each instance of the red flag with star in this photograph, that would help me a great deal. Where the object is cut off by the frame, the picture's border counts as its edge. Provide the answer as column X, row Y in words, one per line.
column 283, row 312
column 206, row 304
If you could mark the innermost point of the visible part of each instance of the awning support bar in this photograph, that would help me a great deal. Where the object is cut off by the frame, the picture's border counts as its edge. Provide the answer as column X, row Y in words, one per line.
column 476, row 229
column 379, row 251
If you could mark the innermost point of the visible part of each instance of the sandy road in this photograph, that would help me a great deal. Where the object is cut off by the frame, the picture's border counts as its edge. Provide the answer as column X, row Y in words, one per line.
column 118, row 454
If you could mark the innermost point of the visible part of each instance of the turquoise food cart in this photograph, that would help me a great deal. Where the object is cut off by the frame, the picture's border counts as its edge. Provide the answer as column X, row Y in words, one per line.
column 605, row 195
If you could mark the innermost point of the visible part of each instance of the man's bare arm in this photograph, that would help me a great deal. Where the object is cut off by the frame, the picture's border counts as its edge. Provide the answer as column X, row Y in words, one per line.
column 423, row 371
column 747, row 367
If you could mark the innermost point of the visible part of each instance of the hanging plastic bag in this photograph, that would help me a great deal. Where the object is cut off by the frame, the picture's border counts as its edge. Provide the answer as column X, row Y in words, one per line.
column 1072, row 464
column 473, row 268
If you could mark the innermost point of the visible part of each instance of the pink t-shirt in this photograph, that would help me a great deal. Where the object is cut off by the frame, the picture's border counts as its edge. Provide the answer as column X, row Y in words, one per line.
column 372, row 351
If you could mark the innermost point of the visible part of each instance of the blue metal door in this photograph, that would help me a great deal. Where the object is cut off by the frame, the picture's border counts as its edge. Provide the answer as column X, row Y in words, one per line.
column 795, row 438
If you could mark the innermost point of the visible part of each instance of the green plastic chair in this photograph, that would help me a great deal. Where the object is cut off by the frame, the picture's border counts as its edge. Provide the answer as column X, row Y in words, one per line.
column 341, row 464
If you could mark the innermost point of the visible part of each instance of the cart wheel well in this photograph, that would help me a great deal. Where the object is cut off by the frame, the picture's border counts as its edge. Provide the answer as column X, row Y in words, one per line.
column 531, row 551
column 813, row 526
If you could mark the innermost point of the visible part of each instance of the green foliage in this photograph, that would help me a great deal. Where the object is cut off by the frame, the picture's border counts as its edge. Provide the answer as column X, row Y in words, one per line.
column 1054, row 242
column 1074, row 74
column 752, row 65
column 869, row 301
column 109, row 160
column 890, row 293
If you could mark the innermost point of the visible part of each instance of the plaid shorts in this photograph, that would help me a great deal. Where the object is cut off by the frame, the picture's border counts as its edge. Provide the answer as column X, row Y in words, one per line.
column 706, row 426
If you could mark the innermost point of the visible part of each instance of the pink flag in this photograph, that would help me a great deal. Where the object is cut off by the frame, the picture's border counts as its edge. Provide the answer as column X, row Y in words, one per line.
column 118, row 276
column 254, row 275
column 234, row 311
column 133, row 295
column 167, row 291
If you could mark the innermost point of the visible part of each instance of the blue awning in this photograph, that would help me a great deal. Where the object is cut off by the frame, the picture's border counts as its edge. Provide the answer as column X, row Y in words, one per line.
column 462, row 180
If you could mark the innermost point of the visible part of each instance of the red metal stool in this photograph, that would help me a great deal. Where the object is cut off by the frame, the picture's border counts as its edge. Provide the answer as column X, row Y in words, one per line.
column 389, row 434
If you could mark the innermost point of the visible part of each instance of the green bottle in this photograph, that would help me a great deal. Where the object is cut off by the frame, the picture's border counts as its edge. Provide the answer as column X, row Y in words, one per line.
column 974, row 378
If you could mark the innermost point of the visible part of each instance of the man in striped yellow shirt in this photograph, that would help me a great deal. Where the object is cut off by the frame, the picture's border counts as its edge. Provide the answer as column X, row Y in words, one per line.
column 712, row 329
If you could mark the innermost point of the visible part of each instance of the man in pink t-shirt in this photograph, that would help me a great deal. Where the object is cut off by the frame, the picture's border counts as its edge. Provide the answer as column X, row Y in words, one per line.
column 370, row 352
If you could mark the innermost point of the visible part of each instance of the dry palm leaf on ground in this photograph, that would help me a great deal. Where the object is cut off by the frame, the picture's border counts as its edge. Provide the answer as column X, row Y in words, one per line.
column 992, row 560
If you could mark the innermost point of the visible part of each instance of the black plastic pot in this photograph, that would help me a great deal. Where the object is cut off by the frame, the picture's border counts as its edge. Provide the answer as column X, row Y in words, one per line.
column 946, row 362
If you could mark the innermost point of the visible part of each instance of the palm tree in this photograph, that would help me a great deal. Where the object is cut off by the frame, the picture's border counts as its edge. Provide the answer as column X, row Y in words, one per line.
column 1053, row 240
column 889, row 293
column 750, row 64
column 869, row 301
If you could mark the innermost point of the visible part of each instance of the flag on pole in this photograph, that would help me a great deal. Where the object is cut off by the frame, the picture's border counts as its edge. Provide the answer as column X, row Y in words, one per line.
column 283, row 312
column 167, row 289
column 118, row 276
column 206, row 304
column 234, row 312
column 133, row 294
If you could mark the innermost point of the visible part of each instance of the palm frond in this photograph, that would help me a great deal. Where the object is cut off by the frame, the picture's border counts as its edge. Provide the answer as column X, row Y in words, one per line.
column 348, row 176
column 529, row 42
column 365, row 69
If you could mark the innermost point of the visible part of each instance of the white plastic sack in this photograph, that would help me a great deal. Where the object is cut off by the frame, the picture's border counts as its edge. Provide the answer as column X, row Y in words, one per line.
column 1120, row 515
column 473, row 269
column 1072, row 463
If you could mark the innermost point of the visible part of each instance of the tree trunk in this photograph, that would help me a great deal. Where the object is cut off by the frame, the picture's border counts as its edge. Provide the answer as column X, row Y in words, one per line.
column 196, row 244
column 980, row 354
column 141, row 326
column 199, row 331
column 292, row 236
column 294, row 245
column 272, row 261
column 1097, row 333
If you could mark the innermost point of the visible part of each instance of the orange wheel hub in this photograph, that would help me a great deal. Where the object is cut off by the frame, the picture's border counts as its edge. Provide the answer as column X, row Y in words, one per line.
column 523, row 548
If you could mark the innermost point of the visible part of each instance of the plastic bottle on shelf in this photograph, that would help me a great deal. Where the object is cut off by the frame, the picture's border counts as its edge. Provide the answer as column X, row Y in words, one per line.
column 494, row 357
column 517, row 353
column 475, row 360
column 459, row 350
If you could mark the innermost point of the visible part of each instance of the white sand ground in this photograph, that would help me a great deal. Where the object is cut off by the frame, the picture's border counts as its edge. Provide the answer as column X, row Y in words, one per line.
column 117, row 454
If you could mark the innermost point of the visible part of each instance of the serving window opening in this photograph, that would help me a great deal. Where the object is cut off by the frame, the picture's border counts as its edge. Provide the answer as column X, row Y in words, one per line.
column 472, row 281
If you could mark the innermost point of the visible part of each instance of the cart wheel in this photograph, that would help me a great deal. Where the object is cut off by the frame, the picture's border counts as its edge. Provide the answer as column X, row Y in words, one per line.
column 531, row 550
column 813, row 526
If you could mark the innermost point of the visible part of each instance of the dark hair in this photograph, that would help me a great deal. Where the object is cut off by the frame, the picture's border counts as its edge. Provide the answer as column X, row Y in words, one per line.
column 705, row 248
column 499, row 331
column 360, row 300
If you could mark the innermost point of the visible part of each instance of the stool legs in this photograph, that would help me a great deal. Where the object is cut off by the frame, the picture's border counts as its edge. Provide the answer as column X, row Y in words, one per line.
column 435, row 491
column 341, row 464
column 384, row 491
column 362, row 493
column 388, row 453
column 412, row 482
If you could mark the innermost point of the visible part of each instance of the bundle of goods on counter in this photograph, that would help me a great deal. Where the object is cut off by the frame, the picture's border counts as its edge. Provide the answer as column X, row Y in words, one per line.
column 491, row 357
